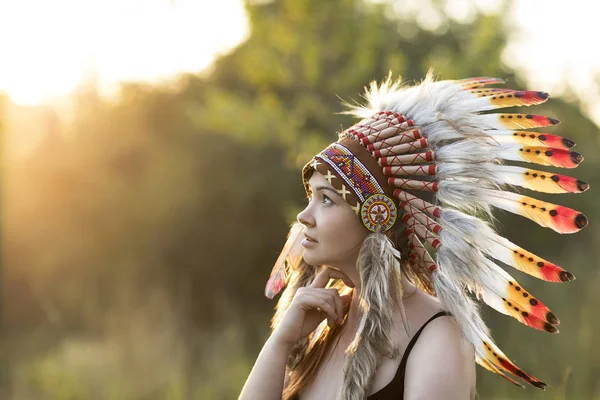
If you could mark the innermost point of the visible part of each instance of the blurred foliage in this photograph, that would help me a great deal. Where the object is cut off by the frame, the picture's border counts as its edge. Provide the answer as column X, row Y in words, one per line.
column 138, row 235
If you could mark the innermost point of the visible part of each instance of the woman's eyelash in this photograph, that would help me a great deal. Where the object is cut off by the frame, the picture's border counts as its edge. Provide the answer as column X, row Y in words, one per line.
column 325, row 199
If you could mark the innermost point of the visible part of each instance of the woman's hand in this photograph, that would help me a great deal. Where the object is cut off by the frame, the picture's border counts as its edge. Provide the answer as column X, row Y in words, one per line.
column 311, row 305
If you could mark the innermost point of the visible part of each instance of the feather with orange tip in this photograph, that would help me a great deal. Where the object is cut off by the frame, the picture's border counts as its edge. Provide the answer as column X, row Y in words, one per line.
column 500, row 248
column 472, row 83
column 530, row 138
column 291, row 254
column 516, row 121
column 488, row 91
column 492, row 368
column 509, row 307
column 540, row 181
column 558, row 218
column 501, row 292
column 541, row 155
column 466, row 313
column 509, row 98
column 496, row 357
column 491, row 283
column 509, row 253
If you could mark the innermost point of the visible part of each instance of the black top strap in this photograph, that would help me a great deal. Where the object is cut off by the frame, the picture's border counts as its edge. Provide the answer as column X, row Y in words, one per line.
column 413, row 341
column 395, row 389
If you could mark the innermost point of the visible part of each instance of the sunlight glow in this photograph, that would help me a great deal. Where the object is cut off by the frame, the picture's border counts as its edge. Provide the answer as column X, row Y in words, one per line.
column 552, row 44
column 47, row 48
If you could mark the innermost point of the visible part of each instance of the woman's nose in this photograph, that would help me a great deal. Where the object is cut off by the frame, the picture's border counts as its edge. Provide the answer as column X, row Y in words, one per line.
column 305, row 218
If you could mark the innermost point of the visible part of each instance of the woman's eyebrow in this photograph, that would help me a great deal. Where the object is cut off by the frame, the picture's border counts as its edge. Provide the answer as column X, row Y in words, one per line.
column 327, row 188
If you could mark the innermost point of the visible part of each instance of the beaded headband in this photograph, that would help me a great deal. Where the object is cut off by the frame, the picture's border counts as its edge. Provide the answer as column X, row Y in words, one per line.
column 341, row 165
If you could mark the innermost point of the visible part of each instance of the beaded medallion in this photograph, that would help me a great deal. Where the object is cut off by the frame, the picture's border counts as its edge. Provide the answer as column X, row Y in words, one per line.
column 379, row 209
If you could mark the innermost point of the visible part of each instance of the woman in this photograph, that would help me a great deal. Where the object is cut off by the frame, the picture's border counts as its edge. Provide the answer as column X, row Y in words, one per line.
column 367, row 312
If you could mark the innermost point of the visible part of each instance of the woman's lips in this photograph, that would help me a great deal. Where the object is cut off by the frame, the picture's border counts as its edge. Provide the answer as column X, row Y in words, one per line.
column 310, row 238
column 308, row 241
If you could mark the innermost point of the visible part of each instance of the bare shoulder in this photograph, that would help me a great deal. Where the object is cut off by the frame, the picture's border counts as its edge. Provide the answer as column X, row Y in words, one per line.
column 441, row 364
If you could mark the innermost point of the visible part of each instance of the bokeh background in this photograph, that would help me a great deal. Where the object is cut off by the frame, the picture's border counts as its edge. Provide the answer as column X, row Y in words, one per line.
column 150, row 169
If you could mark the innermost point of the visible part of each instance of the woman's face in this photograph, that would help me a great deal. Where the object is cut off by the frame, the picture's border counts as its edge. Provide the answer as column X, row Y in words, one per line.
column 334, row 233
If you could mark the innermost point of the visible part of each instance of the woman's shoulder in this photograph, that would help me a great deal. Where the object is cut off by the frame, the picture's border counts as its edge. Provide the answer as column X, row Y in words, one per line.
column 438, row 330
column 442, row 361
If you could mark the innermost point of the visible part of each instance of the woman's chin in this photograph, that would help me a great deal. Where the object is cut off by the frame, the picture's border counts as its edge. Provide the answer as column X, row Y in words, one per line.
column 311, row 261
column 311, row 258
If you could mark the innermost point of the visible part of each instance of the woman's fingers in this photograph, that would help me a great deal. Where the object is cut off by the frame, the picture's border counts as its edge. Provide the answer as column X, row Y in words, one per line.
column 329, row 273
column 310, row 306
column 332, row 296
column 325, row 300
column 322, row 302
column 346, row 299
column 339, row 309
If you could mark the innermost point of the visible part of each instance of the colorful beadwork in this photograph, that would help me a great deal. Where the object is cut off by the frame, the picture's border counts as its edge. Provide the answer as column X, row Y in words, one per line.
column 379, row 209
column 352, row 170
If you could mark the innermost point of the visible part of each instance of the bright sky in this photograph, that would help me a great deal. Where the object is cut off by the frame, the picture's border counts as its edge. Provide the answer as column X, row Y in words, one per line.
column 554, row 44
column 47, row 47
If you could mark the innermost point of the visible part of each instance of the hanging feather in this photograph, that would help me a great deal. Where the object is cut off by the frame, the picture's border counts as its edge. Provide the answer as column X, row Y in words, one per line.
column 290, row 255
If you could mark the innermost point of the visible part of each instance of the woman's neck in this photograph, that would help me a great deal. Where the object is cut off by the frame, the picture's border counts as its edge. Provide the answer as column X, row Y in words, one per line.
column 354, row 313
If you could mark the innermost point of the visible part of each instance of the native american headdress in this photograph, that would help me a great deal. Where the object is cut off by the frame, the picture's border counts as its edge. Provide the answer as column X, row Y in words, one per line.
column 436, row 141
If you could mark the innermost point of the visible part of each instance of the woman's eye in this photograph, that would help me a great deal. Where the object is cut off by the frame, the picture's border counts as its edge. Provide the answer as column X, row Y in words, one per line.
column 327, row 200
